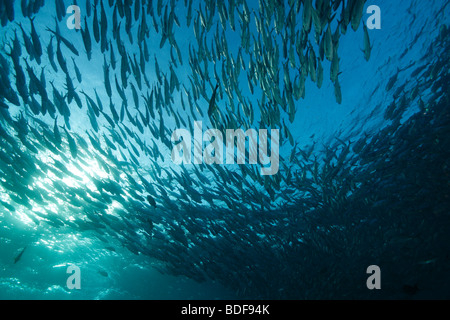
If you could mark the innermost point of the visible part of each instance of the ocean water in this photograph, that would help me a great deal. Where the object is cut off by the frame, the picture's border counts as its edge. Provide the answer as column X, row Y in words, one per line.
column 88, row 176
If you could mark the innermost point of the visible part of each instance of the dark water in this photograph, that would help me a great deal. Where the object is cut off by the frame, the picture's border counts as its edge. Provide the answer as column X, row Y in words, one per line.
column 87, row 177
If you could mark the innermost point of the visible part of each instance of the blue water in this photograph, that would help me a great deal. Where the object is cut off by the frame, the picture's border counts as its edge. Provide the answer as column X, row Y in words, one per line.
column 302, row 245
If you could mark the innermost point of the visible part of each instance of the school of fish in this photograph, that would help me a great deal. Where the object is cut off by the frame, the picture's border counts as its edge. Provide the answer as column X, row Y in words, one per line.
column 305, row 232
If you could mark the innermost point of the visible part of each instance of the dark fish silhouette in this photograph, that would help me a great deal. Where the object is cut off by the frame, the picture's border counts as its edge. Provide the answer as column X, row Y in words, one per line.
column 103, row 273
column 19, row 256
column 151, row 201
column 212, row 102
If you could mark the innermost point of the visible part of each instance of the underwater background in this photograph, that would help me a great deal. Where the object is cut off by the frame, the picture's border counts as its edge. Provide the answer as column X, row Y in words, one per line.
column 87, row 177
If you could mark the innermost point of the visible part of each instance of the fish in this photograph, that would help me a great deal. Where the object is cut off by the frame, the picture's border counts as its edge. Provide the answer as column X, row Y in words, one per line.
column 103, row 273
column 51, row 55
column 87, row 41
column 392, row 80
column 56, row 134
column 307, row 15
column 28, row 44
column 367, row 47
column 113, row 111
column 334, row 71
column 356, row 13
column 106, row 77
column 60, row 9
column 72, row 144
column 103, row 28
column 319, row 74
column 212, row 102
column 328, row 44
column 61, row 61
column 36, row 42
column 337, row 92
column 95, row 25
column 66, row 42
column 19, row 256
column 77, row 71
